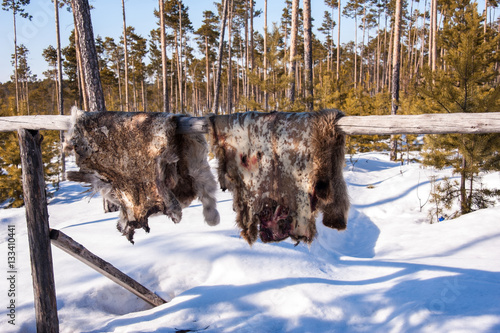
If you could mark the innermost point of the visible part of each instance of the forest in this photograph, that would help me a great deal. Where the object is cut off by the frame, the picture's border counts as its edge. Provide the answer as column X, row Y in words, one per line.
column 406, row 57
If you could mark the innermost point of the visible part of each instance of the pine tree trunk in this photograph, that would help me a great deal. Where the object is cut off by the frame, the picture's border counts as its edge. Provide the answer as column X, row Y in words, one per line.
column 27, row 95
column 356, row 49
column 179, row 60
column 163, row 59
column 252, row 58
column 119, row 83
column 246, row 86
column 433, row 37
column 207, row 70
column 338, row 42
column 230, row 64
column 377, row 69
column 172, row 85
column 16, row 74
column 330, row 53
column 89, row 55
column 179, row 79
column 60, row 104
column 485, row 18
column 362, row 47
column 266, row 98
column 386, row 56
column 144, row 98
column 390, row 49
column 134, row 87
column 308, row 70
column 293, row 50
column 215, row 108
column 463, row 191
column 395, row 72
column 125, row 52
column 82, row 95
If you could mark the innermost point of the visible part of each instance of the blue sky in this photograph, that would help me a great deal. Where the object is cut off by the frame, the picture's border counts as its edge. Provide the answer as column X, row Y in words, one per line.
column 38, row 33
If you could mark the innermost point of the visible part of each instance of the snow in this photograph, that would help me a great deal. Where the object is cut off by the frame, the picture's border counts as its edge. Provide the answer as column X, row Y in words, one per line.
column 390, row 271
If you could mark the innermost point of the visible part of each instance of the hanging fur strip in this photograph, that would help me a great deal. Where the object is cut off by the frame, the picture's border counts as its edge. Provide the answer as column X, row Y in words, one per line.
column 138, row 163
column 282, row 169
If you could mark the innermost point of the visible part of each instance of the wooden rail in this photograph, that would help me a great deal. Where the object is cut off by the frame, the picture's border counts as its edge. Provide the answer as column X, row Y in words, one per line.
column 437, row 123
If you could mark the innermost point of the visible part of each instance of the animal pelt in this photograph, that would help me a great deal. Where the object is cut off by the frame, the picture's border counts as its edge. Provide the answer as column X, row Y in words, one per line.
column 283, row 168
column 138, row 163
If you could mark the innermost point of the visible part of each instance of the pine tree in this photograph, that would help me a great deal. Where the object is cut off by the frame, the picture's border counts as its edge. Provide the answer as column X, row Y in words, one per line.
column 466, row 85
column 207, row 41
column 16, row 6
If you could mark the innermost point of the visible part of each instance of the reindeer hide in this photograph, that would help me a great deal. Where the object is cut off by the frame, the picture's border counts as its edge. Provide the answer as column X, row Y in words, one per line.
column 282, row 169
column 138, row 162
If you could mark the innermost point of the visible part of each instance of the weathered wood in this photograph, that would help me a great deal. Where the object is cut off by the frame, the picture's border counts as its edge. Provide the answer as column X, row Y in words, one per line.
column 60, row 123
column 37, row 219
column 437, row 123
column 68, row 245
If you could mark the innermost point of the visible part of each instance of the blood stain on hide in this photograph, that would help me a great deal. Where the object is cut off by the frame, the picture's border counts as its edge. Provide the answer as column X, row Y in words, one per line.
column 244, row 160
column 250, row 162
column 275, row 222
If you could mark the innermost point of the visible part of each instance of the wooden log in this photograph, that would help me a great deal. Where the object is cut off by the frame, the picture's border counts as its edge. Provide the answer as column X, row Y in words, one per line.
column 68, row 245
column 436, row 123
column 60, row 123
column 37, row 219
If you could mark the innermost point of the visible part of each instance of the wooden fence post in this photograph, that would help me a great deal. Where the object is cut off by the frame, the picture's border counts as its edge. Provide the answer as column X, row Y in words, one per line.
column 37, row 219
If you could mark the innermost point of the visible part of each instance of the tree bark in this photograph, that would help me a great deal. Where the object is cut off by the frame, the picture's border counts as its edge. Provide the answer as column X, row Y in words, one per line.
column 81, row 11
column 82, row 92
column 125, row 53
column 60, row 100
column 485, row 18
column 266, row 98
column 338, row 42
column 395, row 72
column 362, row 47
column 252, row 58
column 207, row 70
column 178, row 49
column 215, row 108
column 293, row 50
column 246, row 84
column 37, row 219
column 356, row 48
column 16, row 74
column 230, row 64
column 308, row 70
column 464, row 206
column 163, row 58
column 433, row 36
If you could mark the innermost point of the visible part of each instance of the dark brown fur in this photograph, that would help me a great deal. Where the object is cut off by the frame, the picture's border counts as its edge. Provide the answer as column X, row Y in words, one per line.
column 138, row 162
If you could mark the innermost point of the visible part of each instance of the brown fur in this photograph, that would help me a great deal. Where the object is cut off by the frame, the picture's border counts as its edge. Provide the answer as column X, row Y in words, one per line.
column 138, row 162
column 282, row 169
